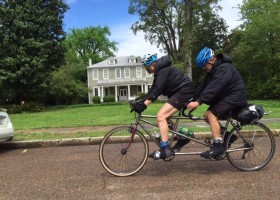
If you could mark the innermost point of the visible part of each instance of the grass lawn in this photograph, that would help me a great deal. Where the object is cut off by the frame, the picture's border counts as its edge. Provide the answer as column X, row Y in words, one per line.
column 91, row 115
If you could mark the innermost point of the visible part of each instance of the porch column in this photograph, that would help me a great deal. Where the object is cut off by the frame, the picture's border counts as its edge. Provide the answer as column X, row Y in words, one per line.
column 101, row 94
column 128, row 91
column 116, row 93
column 146, row 88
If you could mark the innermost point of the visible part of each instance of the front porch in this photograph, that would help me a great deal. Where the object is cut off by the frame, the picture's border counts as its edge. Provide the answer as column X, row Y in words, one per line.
column 122, row 92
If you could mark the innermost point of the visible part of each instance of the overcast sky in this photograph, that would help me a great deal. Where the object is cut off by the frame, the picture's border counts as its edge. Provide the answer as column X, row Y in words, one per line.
column 114, row 14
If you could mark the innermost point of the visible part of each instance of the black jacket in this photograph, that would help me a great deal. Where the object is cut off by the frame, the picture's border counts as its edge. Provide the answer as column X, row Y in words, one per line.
column 168, row 80
column 223, row 83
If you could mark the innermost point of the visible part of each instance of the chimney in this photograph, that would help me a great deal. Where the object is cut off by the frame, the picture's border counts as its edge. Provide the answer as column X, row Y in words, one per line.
column 90, row 62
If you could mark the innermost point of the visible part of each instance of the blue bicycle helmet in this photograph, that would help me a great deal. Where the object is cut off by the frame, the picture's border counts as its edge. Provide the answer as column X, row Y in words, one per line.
column 149, row 59
column 204, row 56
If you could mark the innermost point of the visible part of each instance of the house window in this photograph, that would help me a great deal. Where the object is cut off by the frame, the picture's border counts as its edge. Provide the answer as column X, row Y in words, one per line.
column 126, row 72
column 95, row 91
column 105, row 74
column 132, row 60
column 118, row 73
column 112, row 61
column 95, row 74
column 138, row 72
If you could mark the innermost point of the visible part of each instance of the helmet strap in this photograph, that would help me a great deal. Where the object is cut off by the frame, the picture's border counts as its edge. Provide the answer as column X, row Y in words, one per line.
column 150, row 69
column 212, row 60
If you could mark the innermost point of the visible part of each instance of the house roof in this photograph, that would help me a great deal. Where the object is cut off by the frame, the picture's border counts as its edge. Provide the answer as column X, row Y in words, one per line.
column 121, row 61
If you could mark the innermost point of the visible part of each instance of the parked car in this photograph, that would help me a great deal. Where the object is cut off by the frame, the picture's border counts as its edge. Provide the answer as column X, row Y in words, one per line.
column 6, row 126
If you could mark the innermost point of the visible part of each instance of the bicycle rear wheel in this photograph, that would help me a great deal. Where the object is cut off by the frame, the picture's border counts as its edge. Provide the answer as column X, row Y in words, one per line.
column 121, row 153
column 253, row 149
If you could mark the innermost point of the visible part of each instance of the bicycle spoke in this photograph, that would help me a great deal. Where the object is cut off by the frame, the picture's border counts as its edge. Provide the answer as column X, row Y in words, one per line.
column 120, row 155
column 257, row 151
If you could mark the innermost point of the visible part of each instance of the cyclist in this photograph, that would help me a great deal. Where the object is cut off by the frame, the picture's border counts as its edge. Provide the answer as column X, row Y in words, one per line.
column 223, row 90
column 168, row 81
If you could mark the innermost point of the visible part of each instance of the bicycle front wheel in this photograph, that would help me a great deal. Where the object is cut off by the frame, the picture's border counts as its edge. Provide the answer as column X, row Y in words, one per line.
column 253, row 149
column 123, row 153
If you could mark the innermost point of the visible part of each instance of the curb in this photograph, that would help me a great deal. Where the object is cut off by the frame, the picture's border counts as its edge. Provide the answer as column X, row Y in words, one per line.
column 66, row 142
column 50, row 143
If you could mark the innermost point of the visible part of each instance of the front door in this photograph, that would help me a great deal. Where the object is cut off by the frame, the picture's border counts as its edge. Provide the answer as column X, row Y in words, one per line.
column 123, row 94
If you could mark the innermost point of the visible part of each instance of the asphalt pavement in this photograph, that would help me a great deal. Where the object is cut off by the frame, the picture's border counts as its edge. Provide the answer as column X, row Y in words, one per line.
column 75, row 173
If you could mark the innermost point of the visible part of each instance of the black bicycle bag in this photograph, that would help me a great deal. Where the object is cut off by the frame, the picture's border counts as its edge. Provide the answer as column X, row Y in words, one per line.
column 250, row 114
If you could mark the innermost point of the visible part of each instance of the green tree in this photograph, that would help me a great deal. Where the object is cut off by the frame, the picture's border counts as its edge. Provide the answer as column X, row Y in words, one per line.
column 66, row 87
column 68, row 83
column 30, row 36
column 91, row 43
column 257, row 55
column 178, row 25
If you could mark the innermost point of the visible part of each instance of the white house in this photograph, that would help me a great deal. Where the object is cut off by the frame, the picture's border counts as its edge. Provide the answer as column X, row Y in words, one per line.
column 123, row 77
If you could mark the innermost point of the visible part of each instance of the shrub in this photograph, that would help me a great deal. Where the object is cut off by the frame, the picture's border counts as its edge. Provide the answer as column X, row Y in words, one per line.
column 96, row 99
column 33, row 107
column 13, row 109
column 26, row 107
column 140, row 95
column 109, row 98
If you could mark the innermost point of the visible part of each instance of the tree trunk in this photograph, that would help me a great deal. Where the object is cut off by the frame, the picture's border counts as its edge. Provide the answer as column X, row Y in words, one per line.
column 188, row 37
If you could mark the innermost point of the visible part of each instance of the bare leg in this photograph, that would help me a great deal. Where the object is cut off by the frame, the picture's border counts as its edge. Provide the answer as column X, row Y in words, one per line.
column 166, row 111
column 217, row 149
column 212, row 120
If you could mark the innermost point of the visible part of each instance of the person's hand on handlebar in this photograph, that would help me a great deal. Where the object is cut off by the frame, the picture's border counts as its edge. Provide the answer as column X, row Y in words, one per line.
column 139, row 107
column 193, row 105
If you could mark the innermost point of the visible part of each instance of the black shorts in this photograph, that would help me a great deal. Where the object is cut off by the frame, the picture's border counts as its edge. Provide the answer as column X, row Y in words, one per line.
column 179, row 100
column 221, row 109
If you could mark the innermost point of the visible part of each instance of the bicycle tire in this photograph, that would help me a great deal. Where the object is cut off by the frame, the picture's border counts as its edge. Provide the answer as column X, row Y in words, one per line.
column 118, row 160
column 260, row 144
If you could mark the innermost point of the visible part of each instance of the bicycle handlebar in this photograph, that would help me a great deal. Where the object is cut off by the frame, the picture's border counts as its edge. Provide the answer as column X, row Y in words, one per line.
column 131, row 102
column 189, row 115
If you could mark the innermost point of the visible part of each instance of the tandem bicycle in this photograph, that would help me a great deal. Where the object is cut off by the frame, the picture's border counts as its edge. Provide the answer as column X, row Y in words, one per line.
column 124, row 150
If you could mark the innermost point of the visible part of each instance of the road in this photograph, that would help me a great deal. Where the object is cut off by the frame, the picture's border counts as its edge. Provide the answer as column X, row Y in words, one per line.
column 74, row 172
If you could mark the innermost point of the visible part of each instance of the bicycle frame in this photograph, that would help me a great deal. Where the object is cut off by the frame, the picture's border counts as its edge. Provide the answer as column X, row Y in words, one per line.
column 252, row 149
column 142, row 120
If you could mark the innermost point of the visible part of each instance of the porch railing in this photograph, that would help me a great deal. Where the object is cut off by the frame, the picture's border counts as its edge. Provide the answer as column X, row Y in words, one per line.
column 126, row 80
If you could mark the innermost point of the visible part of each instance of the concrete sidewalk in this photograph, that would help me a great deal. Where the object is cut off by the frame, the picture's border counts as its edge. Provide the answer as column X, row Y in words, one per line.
column 93, row 140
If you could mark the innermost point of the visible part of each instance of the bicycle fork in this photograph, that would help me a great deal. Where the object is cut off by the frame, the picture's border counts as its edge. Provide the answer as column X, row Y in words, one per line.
column 132, row 130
